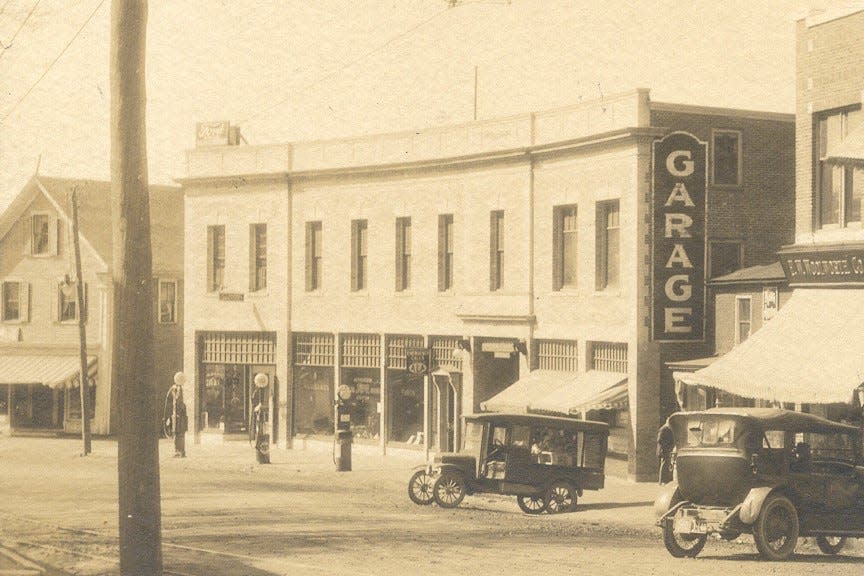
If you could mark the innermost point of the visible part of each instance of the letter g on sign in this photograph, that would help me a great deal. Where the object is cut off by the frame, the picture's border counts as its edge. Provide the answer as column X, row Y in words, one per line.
column 686, row 166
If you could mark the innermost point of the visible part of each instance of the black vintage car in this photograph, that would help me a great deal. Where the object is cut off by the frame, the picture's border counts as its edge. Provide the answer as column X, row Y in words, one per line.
column 545, row 461
column 772, row 473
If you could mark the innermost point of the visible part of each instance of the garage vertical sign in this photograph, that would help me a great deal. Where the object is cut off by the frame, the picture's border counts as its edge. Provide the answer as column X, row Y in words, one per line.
column 678, row 263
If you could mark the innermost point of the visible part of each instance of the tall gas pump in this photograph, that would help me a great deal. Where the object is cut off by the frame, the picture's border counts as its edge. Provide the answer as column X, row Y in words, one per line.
column 260, row 417
column 344, row 436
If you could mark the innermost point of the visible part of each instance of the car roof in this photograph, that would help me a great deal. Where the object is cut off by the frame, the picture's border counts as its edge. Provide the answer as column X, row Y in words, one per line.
column 537, row 420
column 774, row 419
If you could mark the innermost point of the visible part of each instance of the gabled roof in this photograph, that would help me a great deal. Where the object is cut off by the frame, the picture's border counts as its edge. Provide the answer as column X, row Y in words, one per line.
column 94, row 215
column 766, row 273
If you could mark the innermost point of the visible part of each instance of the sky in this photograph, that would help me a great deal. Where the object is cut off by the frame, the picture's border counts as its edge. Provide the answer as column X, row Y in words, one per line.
column 303, row 70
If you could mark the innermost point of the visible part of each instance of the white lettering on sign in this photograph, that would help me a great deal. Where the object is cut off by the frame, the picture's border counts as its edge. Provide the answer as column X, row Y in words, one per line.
column 678, row 288
column 679, row 256
column 677, row 320
column 687, row 166
column 680, row 194
column 677, row 224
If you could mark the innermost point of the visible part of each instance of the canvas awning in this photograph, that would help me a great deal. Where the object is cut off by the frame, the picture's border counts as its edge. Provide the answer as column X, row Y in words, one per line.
column 850, row 150
column 53, row 371
column 520, row 396
column 811, row 352
column 591, row 390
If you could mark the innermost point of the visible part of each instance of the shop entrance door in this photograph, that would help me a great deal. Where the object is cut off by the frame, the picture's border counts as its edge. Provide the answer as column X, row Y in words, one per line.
column 445, row 411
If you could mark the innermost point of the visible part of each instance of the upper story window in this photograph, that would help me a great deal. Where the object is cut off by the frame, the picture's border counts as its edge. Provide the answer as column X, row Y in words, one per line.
column 839, row 186
column 743, row 318
column 564, row 248
column 40, row 235
column 608, row 260
column 314, row 261
column 445, row 252
column 67, row 301
column 215, row 258
column 16, row 301
column 359, row 254
column 726, row 157
column 403, row 254
column 496, row 250
column 257, row 257
column 167, row 301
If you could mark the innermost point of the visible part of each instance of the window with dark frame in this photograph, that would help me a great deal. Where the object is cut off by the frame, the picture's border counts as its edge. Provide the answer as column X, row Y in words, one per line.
column 314, row 261
column 496, row 250
column 12, row 301
column 41, row 235
column 445, row 252
column 67, row 302
column 403, row 254
column 726, row 157
column 167, row 301
column 840, row 186
column 215, row 258
column 564, row 249
column 359, row 254
column 258, row 257
column 743, row 318
column 608, row 245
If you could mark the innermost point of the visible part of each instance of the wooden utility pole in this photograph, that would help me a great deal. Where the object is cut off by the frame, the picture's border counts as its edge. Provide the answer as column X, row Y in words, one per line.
column 132, row 359
column 82, row 331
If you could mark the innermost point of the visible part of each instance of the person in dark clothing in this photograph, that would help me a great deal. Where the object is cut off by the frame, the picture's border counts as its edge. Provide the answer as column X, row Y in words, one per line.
column 180, row 424
column 665, row 446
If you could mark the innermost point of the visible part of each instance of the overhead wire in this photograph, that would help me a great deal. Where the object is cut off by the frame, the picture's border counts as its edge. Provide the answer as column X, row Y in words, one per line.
column 53, row 62
column 6, row 45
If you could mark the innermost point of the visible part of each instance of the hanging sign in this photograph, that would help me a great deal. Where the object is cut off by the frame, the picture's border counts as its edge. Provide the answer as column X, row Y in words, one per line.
column 678, row 263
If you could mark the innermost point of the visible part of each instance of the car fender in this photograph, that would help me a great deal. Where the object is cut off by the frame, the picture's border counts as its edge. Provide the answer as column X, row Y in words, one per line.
column 441, row 468
column 667, row 498
column 752, row 504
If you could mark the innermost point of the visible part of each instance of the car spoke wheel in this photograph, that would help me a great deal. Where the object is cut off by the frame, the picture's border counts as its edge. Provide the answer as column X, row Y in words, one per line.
column 449, row 490
column 420, row 488
column 830, row 545
column 682, row 545
column 531, row 504
column 776, row 529
column 561, row 497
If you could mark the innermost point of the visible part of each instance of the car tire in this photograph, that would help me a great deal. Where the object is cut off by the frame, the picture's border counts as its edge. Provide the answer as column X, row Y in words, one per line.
column 449, row 490
column 682, row 546
column 420, row 488
column 776, row 529
column 830, row 545
column 560, row 497
column 531, row 504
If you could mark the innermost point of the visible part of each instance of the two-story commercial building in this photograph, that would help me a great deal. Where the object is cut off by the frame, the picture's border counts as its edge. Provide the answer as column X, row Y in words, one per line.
column 812, row 352
column 39, row 309
column 513, row 263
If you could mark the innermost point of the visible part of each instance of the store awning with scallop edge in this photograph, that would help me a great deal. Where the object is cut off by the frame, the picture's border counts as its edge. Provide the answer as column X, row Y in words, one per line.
column 52, row 371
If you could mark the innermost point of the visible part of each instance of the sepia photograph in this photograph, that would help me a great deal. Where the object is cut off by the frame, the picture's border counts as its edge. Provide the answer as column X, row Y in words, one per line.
column 386, row 287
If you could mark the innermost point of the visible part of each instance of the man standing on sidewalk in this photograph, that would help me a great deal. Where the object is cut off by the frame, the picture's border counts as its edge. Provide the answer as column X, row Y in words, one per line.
column 665, row 446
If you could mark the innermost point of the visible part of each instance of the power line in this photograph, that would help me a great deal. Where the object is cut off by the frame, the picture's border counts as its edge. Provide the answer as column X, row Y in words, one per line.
column 15, row 35
column 347, row 65
column 53, row 62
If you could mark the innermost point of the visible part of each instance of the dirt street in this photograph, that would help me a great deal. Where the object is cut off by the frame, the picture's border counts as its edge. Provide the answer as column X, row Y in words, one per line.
column 225, row 515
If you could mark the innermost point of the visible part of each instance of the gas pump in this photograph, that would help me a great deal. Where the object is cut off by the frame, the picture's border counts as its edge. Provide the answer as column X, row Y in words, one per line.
column 344, row 436
column 259, row 418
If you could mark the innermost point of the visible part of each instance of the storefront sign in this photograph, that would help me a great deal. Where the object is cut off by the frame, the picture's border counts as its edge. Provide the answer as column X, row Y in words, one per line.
column 819, row 267
column 678, row 264
column 211, row 133
column 417, row 361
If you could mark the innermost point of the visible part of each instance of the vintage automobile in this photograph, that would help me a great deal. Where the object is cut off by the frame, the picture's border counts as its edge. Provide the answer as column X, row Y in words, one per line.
column 545, row 461
column 772, row 473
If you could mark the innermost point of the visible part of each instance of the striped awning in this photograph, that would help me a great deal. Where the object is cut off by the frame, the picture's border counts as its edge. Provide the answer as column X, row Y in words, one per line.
column 52, row 371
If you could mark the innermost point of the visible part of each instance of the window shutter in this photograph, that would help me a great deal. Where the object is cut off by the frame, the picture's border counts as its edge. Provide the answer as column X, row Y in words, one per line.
column 355, row 253
column 54, row 287
column 310, row 235
column 24, row 301
column 442, row 253
column 58, row 244
column 557, row 248
column 54, row 237
column 26, row 235
column 400, row 249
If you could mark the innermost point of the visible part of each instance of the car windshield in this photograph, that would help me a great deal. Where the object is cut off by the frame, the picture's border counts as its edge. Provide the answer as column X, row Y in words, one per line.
column 712, row 432
column 472, row 439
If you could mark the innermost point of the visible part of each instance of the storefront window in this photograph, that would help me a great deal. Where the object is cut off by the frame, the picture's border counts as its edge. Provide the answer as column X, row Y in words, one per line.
column 212, row 398
column 366, row 398
column 73, row 399
column 406, row 408
column 314, row 397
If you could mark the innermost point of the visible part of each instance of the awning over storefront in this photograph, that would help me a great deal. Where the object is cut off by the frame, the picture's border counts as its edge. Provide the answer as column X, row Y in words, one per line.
column 811, row 352
column 519, row 396
column 592, row 390
column 850, row 150
column 53, row 371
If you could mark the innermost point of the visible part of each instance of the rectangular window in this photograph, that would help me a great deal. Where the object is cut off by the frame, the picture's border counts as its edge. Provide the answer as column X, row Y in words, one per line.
column 724, row 258
column 608, row 245
column 314, row 262
column 564, row 246
column 167, row 301
column 608, row 356
column 15, row 301
column 67, row 301
column 215, row 258
column 41, row 235
column 743, row 318
column 445, row 252
column 726, row 157
column 257, row 257
column 359, row 254
column 557, row 355
column 403, row 254
column 496, row 250
column 839, row 184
